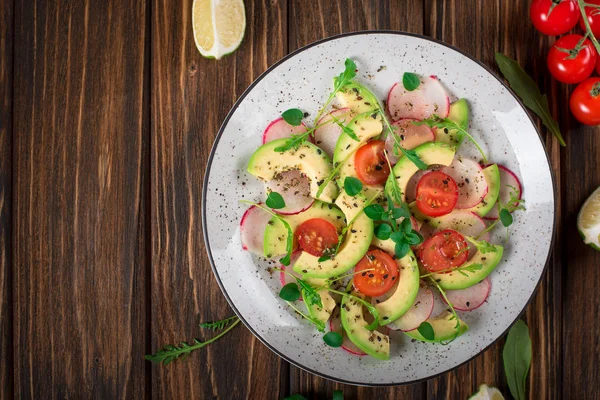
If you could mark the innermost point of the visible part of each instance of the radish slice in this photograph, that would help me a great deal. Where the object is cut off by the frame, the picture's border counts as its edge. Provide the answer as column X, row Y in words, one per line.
column 508, row 181
column 470, row 298
column 472, row 185
column 335, row 325
column 295, row 190
column 428, row 99
column 326, row 136
column 411, row 186
column 419, row 312
column 279, row 129
column 410, row 136
column 252, row 229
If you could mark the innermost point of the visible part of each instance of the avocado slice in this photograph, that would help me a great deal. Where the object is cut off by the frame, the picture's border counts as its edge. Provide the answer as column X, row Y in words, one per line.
column 459, row 114
column 357, row 242
column 276, row 233
column 405, row 292
column 431, row 153
column 374, row 343
column 266, row 163
column 443, row 328
column 354, row 97
column 492, row 178
column 365, row 127
column 320, row 313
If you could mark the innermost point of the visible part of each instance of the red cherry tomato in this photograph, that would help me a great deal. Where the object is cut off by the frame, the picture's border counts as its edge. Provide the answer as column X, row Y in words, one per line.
column 381, row 278
column 370, row 163
column 437, row 194
column 444, row 250
column 592, row 17
column 598, row 65
column 562, row 18
column 570, row 62
column 585, row 102
column 316, row 235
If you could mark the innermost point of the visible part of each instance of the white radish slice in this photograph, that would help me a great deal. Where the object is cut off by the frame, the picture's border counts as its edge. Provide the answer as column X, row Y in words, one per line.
column 279, row 129
column 411, row 186
column 428, row 99
column 470, row 298
column 295, row 190
column 252, row 229
column 467, row 223
column 472, row 185
column 326, row 136
column 335, row 325
column 418, row 313
column 508, row 183
column 410, row 136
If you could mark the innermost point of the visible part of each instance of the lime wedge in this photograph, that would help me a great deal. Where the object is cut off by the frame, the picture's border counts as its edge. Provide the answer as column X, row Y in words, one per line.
column 588, row 220
column 219, row 26
column 487, row 393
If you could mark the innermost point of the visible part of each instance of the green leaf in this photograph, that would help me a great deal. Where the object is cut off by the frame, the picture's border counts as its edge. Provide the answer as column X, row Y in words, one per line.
column 410, row 81
column 338, row 83
column 296, row 396
column 397, row 237
column 401, row 249
column 383, row 231
column 352, row 185
column 414, row 158
column 401, row 212
column 345, row 128
column 526, row 88
column 290, row 292
column 482, row 246
column 293, row 116
column 506, row 217
column 426, row 330
column 338, row 395
column 406, row 226
column 333, row 339
column 517, row 359
column 414, row 238
column 275, row 201
column 293, row 142
column 374, row 211
column 310, row 295
column 218, row 325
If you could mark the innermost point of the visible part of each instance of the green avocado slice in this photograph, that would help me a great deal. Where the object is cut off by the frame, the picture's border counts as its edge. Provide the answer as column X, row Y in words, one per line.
column 459, row 114
column 443, row 328
column 492, row 178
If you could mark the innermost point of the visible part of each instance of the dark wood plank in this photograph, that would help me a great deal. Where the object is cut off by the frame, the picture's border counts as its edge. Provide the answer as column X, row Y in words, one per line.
column 190, row 98
column 6, row 83
column 314, row 20
column 79, row 215
column 497, row 29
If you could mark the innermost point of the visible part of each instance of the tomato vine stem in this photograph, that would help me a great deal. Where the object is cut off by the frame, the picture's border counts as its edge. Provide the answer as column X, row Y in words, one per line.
column 582, row 5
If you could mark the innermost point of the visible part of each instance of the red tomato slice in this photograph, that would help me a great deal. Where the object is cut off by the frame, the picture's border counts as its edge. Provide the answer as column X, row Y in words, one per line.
column 370, row 163
column 381, row 279
column 444, row 250
column 437, row 194
column 316, row 235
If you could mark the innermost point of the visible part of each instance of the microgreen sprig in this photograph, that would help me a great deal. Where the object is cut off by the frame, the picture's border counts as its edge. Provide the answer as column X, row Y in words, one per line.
column 505, row 211
column 452, row 310
column 295, row 141
column 370, row 308
column 338, row 83
column 396, row 191
column 471, row 268
column 345, row 128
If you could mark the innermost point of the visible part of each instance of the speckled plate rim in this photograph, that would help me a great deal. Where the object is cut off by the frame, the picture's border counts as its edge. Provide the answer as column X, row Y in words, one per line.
column 220, row 134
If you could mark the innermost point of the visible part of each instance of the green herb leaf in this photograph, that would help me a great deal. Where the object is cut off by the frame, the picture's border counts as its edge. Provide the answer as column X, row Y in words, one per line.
column 472, row 268
column 410, row 81
column 290, row 292
column 401, row 249
column 374, row 211
column 383, row 231
column 526, row 88
column 309, row 294
column 517, row 359
column 406, row 226
column 296, row 396
column 218, row 325
column 333, row 339
column 414, row 238
column 338, row 395
column 345, row 128
column 414, row 158
column 506, row 217
column 293, row 142
column 338, row 83
column 482, row 246
column 293, row 116
column 275, row 201
column 352, row 185
column 426, row 330
column 397, row 237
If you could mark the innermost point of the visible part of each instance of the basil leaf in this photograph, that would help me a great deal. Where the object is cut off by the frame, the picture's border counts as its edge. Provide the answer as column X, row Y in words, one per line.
column 383, row 231
column 410, row 81
column 352, row 186
column 397, row 237
column 374, row 211
column 399, row 212
column 517, row 359
column 526, row 88
column 333, row 339
column 426, row 330
column 338, row 395
column 406, row 226
column 293, row 116
column 401, row 249
column 290, row 292
column 275, row 201
column 506, row 218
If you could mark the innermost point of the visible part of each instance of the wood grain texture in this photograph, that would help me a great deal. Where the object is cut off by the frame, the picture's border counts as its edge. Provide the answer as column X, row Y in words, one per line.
column 6, row 318
column 79, row 240
column 190, row 98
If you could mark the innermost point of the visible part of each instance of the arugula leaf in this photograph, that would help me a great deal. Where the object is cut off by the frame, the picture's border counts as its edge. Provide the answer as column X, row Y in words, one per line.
column 374, row 211
column 413, row 157
column 482, row 246
column 333, row 339
column 293, row 142
column 275, row 201
column 320, row 325
column 517, row 359
column 383, row 231
column 506, row 217
column 293, row 116
column 290, row 292
column 345, row 128
column 310, row 295
column 338, row 83
column 393, row 182
column 426, row 330
column 410, row 81
column 352, row 185
column 218, row 325
column 472, row 268
column 526, row 88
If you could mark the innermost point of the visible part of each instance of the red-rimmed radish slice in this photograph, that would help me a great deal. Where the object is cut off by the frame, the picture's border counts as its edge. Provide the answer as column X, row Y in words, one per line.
column 326, row 136
column 418, row 313
column 428, row 99
column 472, row 185
column 295, row 190
column 411, row 186
column 252, row 229
column 508, row 183
column 410, row 136
column 279, row 129
column 335, row 325
column 470, row 298
column 416, row 224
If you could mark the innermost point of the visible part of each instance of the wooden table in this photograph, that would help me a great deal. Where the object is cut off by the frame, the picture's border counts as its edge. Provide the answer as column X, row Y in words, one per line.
column 108, row 114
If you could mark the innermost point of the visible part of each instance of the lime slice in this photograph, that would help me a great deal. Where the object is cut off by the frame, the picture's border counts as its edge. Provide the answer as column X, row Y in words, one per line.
column 219, row 26
column 588, row 220
column 487, row 393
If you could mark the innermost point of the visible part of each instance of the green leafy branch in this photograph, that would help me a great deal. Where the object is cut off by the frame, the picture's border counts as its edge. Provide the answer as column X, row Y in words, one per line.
column 452, row 310
column 505, row 211
column 338, row 83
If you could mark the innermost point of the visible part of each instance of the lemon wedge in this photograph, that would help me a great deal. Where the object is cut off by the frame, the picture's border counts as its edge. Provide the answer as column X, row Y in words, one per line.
column 588, row 220
column 219, row 26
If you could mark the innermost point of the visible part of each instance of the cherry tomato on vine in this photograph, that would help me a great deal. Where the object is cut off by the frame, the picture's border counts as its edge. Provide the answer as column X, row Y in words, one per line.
column 593, row 17
column 554, row 17
column 585, row 102
column 572, row 59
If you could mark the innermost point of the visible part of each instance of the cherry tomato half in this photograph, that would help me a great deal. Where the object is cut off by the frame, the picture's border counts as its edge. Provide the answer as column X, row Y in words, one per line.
column 316, row 235
column 585, row 102
column 444, row 250
column 381, row 278
column 570, row 62
column 592, row 17
column 437, row 194
column 370, row 163
column 561, row 19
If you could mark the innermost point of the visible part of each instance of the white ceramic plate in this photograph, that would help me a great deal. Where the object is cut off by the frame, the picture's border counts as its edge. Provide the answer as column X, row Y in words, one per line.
column 304, row 79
